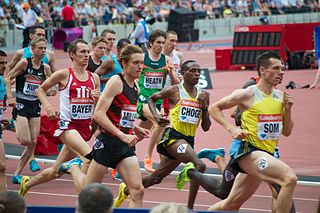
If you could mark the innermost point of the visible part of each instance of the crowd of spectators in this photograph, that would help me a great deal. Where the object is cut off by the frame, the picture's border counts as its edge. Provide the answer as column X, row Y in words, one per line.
column 97, row 12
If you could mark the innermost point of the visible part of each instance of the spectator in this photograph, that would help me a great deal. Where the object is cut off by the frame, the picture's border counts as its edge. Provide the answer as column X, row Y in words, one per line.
column 29, row 19
column 11, row 201
column 141, row 31
column 68, row 16
column 95, row 198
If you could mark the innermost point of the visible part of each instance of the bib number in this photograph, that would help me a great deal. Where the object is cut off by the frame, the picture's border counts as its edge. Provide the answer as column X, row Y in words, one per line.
column 269, row 127
column 153, row 80
column 128, row 115
column 31, row 86
column 190, row 111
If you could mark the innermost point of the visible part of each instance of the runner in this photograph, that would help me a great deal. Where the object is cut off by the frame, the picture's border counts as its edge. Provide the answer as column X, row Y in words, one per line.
column 99, row 45
column 188, row 107
column 266, row 113
column 79, row 91
column 29, row 74
column 115, row 113
column 156, row 68
column 48, row 58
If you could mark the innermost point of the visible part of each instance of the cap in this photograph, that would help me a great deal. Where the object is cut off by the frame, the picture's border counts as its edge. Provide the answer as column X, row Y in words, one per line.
column 25, row 5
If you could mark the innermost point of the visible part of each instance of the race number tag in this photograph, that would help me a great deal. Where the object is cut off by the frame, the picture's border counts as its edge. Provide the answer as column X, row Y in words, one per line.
column 31, row 85
column 269, row 126
column 153, row 80
column 128, row 115
column 190, row 111
column 81, row 108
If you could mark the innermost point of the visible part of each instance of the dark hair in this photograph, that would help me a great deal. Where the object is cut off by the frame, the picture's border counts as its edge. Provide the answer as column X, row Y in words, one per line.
column 106, row 31
column 34, row 29
column 72, row 48
column 154, row 35
column 122, row 41
column 95, row 198
column 185, row 65
column 3, row 53
column 138, row 13
column 263, row 60
column 11, row 201
column 127, row 51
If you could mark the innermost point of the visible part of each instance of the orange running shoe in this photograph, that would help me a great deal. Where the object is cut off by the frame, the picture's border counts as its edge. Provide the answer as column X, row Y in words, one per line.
column 148, row 164
column 113, row 174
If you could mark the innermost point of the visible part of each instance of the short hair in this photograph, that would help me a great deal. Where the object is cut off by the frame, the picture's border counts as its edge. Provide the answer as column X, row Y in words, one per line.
column 3, row 53
column 95, row 198
column 34, row 29
column 11, row 201
column 127, row 51
column 169, row 207
column 264, row 60
column 154, row 35
column 122, row 41
column 171, row 32
column 34, row 42
column 106, row 31
column 138, row 13
column 72, row 48
column 98, row 39
column 185, row 65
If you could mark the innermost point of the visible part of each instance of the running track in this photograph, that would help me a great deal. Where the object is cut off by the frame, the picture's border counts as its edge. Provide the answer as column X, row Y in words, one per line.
column 300, row 150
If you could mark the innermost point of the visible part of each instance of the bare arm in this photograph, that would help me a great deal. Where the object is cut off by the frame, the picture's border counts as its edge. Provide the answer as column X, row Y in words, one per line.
column 16, row 58
column 204, row 99
column 52, row 60
column 238, row 97
column 106, row 67
column 113, row 88
column 162, row 94
column 16, row 71
column 59, row 77
column 287, row 119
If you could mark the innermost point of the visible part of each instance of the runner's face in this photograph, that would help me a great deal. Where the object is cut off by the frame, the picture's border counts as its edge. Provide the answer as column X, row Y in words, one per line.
column 40, row 33
column 3, row 64
column 40, row 49
column 82, row 54
column 157, row 45
column 274, row 73
column 171, row 42
column 110, row 38
column 99, row 49
column 134, row 66
column 192, row 75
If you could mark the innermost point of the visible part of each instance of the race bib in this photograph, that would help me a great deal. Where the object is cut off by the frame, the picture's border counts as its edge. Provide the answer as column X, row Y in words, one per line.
column 153, row 80
column 128, row 115
column 190, row 111
column 81, row 108
column 269, row 126
column 31, row 85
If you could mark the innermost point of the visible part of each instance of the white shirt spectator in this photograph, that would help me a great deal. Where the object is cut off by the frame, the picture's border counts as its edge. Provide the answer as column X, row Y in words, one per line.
column 1, row 13
column 29, row 18
column 138, row 32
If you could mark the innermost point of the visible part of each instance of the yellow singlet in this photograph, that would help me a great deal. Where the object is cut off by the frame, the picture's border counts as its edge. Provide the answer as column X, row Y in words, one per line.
column 264, row 119
column 185, row 116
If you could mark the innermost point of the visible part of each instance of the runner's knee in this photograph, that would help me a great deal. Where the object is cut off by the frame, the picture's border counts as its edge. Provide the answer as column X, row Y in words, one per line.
column 290, row 180
column 2, row 167
column 200, row 166
column 137, row 192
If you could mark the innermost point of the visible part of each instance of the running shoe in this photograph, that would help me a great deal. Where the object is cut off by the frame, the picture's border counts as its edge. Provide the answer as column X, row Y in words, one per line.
column 183, row 178
column 211, row 154
column 65, row 167
column 148, row 164
column 33, row 165
column 23, row 191
column 115, row 175
column 16, row 179
column 121, row 196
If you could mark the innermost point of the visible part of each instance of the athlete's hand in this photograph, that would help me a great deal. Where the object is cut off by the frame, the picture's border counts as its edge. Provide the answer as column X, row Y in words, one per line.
column 95, row 94
column 53, row 91
column 203, row 99
column 238, row 133
column 52, row 113
column 131, row 140
column 287, row 101
column 169, row 64
column 162, row 121
column 11, row 102
column 141, row 133
column 5, row 123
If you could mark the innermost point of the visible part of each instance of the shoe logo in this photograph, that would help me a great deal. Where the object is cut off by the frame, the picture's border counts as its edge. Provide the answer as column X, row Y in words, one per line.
column 228, row 175
column 98, row 145
column 182, row 148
